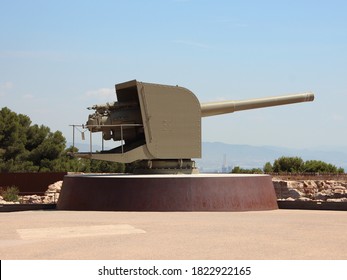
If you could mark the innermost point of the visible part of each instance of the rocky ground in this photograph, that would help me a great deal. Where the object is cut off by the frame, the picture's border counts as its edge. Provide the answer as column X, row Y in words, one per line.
column 50, row 196
column 311, row 190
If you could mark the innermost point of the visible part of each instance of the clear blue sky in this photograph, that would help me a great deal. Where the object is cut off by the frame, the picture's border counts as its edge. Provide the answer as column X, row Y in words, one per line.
column 58, row 57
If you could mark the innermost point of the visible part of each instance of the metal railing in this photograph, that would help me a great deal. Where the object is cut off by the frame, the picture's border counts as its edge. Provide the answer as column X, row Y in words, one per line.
column 24, row 197
column 87, row 127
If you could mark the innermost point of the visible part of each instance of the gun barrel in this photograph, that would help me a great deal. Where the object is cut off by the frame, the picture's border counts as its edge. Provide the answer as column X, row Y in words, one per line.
column 226, row 107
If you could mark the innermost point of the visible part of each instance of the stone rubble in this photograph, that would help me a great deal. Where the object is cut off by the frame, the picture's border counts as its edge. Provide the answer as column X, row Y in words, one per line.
column 2, row 201
column 50, row 196
column 311, row 190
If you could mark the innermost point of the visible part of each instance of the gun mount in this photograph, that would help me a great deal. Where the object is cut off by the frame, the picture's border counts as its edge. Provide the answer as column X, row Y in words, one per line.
column 160, row 125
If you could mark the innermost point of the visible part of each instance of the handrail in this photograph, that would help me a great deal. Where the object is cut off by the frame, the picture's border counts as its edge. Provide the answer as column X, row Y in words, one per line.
column 100, row 125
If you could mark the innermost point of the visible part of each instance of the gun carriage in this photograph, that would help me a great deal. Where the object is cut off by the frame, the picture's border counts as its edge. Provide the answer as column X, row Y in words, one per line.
column 160, row 126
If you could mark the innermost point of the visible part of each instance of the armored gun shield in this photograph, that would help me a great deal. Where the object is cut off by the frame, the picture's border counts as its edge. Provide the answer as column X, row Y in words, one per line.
column 154, row 122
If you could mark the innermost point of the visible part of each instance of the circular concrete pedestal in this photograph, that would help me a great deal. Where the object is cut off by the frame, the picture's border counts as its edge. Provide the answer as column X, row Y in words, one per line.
column 196, row 192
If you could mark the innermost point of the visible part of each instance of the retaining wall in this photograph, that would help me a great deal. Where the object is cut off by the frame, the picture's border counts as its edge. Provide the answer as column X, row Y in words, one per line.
column 30, row 182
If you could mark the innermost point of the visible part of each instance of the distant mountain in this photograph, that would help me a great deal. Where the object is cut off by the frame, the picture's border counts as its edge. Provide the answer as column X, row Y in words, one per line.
column 216, row 154
column 246, row 156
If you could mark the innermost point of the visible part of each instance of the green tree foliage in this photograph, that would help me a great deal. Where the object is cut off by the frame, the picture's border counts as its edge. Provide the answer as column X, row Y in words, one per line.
column 288, row 164
column 239, row 170
column 297, row 165
column 268, row 168
column 10, row 193
column 26, row 147
column 12, row 134
column 130, row 167
column 318, row 166
column 293, row 165
column 106, row 167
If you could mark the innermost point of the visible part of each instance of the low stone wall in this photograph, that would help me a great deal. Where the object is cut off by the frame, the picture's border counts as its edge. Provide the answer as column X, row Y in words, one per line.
column 311, row 190
column 33, row 183
column 50, row 196
column 286, row 190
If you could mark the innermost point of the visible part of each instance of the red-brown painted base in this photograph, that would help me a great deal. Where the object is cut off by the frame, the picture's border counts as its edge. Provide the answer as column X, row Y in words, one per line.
column 198, row 192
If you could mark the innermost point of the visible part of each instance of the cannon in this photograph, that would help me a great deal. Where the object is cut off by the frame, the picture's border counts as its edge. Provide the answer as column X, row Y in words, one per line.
column 159, row 126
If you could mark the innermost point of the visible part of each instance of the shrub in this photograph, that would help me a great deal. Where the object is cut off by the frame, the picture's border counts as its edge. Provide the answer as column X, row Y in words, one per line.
column 288, row 164
column 10, row 193
column 239, row 170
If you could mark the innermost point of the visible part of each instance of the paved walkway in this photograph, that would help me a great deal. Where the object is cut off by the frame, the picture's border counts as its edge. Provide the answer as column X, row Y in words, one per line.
column 278, row 234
